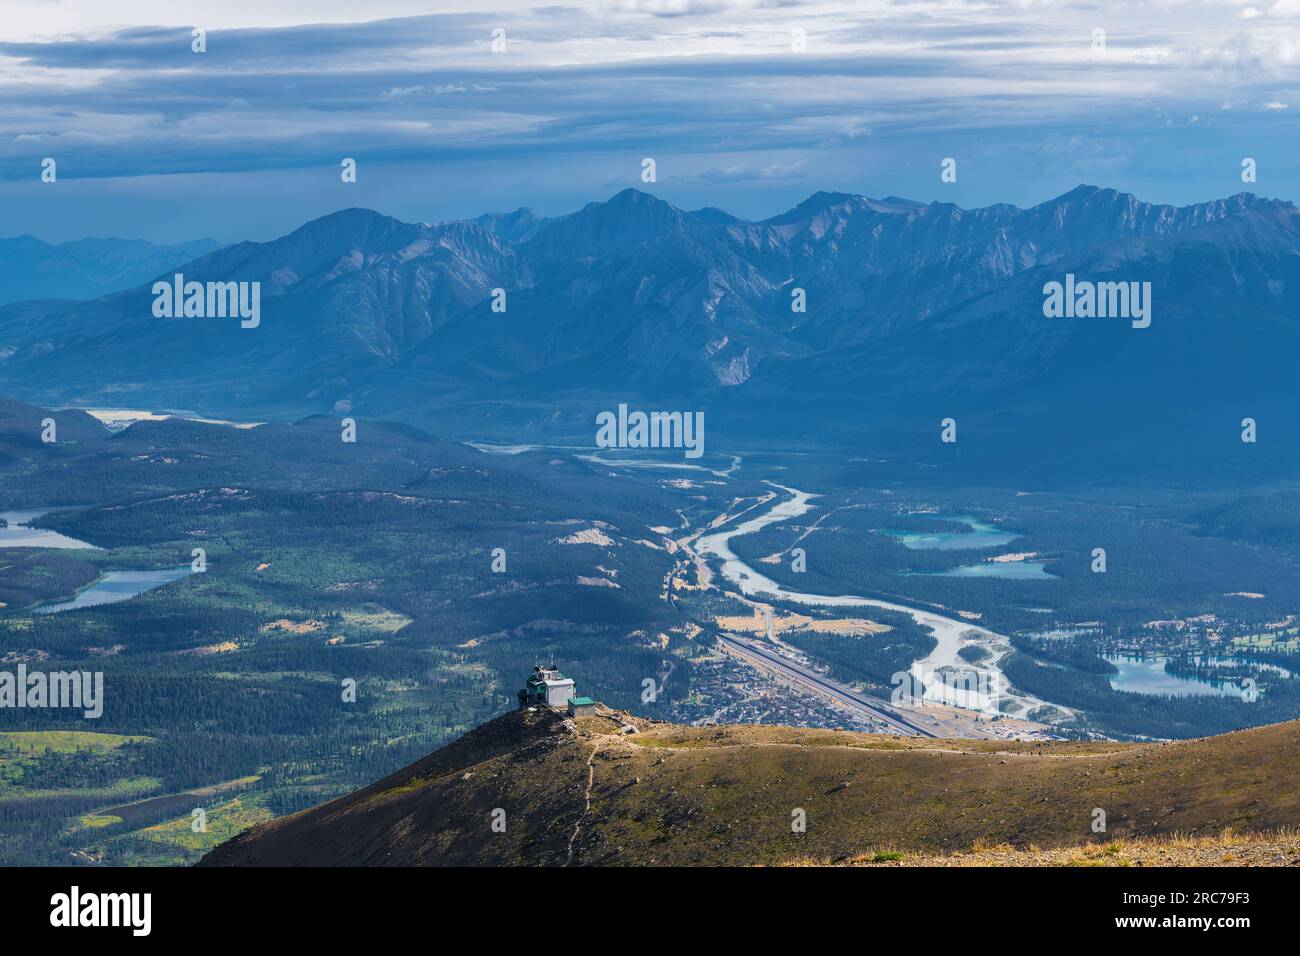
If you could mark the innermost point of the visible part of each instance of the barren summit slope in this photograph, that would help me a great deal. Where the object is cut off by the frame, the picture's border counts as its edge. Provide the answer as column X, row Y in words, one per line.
column 584, row 793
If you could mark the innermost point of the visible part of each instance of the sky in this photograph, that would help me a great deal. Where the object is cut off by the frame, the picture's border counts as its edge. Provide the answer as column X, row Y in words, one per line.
column 747, row 105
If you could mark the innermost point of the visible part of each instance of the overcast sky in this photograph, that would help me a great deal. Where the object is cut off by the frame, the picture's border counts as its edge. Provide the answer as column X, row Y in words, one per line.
column 244, row 141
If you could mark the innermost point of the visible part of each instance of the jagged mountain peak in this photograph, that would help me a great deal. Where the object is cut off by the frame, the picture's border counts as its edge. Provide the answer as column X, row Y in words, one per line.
column 633, row 197
column 626, row 219
column 715, row 216
column 516, row 226
column 319, row 251
column 818, row 202
column 821, row 205
column 1088, row 215
column 356, row 224
column 1098, row 197
column 1086, row 191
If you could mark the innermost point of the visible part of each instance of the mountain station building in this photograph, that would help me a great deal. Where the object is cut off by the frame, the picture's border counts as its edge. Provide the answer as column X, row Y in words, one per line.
column 581, row 706
column 546, row 686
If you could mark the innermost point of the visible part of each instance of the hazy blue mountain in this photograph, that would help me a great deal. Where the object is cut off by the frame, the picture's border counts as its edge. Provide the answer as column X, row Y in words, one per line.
column 715, row 216
column 86, row 268
column 914, row 312
column 21, row 426
column 521, row 224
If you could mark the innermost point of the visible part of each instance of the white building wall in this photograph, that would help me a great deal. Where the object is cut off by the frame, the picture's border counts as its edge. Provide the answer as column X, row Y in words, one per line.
column 558, row 692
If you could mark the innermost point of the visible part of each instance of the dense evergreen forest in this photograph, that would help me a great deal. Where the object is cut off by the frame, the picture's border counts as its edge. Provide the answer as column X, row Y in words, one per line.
column 324, row 563
column 355, row 605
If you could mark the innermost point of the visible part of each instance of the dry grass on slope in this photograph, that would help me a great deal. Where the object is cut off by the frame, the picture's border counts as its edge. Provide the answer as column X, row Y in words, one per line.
column 1277, row 848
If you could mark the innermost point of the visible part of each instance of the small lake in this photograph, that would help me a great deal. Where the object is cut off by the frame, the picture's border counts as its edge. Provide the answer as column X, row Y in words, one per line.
column 1010, row 570
column 981, row 535
column 116, row 586
column 1148, row 676
column 17, row 535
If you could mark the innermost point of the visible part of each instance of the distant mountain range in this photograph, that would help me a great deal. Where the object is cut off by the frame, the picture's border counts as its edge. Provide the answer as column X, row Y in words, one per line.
column 915, row 312
column 86, row 268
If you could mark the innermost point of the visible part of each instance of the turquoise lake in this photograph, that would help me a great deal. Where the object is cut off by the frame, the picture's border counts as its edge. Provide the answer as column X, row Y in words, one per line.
column 981, row 535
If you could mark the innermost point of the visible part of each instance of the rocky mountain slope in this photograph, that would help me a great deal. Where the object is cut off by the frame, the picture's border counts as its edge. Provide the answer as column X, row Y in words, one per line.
column 591, row 792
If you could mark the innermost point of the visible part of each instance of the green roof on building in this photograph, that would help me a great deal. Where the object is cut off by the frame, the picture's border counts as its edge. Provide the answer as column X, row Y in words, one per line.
column 581, row 701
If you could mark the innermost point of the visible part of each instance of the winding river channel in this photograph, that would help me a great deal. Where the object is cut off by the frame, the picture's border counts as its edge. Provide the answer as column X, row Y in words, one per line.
column 945, row 677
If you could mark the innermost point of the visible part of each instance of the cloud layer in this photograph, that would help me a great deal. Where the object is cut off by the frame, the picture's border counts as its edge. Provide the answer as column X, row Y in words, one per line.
column 746, row 104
